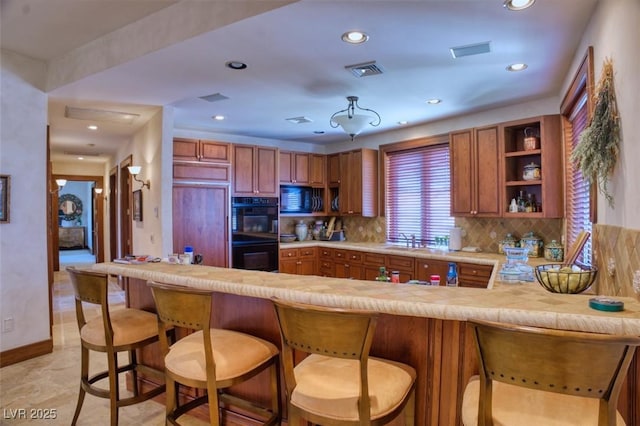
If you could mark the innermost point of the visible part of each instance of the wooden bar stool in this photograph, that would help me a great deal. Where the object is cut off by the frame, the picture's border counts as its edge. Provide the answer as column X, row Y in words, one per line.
column 113, row 332
column 210, row 358
column 536, row 376
column 338, row 383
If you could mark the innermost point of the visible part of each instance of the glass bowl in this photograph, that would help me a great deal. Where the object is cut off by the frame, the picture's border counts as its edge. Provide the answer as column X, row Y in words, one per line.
column 565, row 279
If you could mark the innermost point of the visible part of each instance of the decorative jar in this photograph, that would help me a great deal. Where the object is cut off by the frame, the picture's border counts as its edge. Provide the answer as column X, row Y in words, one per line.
column 554, row 251
column 509, row 241
column 534, row 243
column 531, row 172
column 301, row 230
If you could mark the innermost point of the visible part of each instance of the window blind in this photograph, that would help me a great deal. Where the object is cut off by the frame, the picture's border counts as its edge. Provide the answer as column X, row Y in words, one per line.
column 417, row 190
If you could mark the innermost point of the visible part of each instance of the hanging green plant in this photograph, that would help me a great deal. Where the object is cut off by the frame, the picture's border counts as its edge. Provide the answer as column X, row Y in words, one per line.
column 597, row 151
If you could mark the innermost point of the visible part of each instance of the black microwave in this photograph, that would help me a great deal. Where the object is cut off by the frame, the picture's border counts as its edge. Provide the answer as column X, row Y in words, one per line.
column 295, row 199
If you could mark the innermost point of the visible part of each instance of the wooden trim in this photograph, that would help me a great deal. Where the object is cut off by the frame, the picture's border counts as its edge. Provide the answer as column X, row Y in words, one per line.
column 23, row 353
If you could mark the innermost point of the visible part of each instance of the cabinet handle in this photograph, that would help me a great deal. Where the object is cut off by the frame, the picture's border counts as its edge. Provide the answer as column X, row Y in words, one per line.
column 289, row 254
column 425, row 266
column 298, row 263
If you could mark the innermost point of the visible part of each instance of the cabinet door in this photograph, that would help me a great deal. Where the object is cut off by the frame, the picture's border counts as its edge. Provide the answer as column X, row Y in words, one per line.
column 289, row 266
column 185, row 149
column 286, row 166
column 301, row 168
column 200, row 220
column 307, row 266
column 333, row 169
column 487, row 172
column 475, row 172
column 243, row 170
column 427, row 267
column 462, row 173
column 266, row 171
column 219, row 152
column 317, row 169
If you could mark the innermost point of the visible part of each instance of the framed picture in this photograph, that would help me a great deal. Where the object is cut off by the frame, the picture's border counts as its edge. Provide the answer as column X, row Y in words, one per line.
column 137, row 205
column 5, row 192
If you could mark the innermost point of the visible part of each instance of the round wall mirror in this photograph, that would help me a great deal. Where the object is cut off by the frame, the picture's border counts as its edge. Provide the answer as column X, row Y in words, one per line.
column 69, row 207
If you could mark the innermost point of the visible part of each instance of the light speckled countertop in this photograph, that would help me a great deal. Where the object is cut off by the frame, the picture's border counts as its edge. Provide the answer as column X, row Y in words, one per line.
column 525, row 303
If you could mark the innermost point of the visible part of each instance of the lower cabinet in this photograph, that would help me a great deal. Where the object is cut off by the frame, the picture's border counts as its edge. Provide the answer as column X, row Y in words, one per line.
column 474, row 275
column 326, row 267
column 427, row 267
column 348, row 264
column 300, row 261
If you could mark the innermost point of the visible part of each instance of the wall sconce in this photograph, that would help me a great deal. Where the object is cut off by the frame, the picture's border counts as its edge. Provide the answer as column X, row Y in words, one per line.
column 61, row 183
column 134, row 170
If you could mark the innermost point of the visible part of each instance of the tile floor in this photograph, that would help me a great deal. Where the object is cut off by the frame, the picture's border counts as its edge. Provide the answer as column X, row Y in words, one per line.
column 51, row 382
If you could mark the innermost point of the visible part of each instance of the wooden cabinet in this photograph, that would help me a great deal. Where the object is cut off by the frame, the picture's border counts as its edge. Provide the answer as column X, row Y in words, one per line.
column 475, row 173
column 72, row 237
column 326, row 266
column 548, row 189
column 301, row 261
column 348, row 264
column 333, row 169
column 426, row 267
column 317, row 170
column 356, row 192
column 201, row 150
column 402, row 264
column 255, row 171
column 294, row 168
column 474, row 275
column 200, row 219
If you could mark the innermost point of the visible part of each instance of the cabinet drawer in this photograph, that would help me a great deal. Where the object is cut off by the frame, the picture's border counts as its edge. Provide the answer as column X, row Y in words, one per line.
column 288, row 253
column 307, row 252
column 204, row 172
column 400, row 262
column 326, row 253
column 354, row 256
column 474, row 271
column 374, row 259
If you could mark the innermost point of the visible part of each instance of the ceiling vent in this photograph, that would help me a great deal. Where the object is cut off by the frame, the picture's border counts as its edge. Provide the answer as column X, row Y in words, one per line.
column 471, row 49
column 299, row 120
column 214, row 97
column 100, row 115
column 364, row 70
column 83, row 154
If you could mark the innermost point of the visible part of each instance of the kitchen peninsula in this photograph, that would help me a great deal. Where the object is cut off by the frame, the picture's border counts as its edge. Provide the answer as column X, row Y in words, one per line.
column 420, row 325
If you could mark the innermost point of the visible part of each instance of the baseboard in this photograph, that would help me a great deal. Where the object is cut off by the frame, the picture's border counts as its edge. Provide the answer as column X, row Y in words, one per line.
column 23, row 353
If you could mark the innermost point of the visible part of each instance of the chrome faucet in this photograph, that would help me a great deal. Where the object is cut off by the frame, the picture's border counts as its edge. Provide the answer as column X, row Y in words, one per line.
column 407, row 239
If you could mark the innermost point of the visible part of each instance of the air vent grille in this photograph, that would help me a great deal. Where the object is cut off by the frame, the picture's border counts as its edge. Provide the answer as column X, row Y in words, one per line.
column 215, row 97
column 100, row 115
column 471, row 49
column 365, row 69
column 299, row 120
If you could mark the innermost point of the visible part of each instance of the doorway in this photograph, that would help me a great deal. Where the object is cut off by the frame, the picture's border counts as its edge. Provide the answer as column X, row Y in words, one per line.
column 78, row 236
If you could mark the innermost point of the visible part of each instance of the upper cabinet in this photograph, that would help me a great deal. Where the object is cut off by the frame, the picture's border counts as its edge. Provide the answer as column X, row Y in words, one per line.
column 255, row 171
column 294, row 168
column 317, row 170
column 475, row 172
column 201, row 150
column 356, row 189
column 533, row 162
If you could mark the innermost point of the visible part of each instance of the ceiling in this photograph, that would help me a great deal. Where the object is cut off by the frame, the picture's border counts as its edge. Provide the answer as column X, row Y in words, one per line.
column 296, row 64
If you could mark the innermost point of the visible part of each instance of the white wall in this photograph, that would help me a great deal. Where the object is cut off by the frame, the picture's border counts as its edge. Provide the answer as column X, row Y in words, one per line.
column 23, row 241
column 614, row 32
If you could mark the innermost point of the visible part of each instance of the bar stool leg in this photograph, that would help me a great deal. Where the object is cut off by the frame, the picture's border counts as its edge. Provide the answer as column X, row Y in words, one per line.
column 84, row 377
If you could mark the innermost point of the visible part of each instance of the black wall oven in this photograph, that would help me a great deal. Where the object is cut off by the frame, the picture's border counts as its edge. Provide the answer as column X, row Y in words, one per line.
column 254, row 237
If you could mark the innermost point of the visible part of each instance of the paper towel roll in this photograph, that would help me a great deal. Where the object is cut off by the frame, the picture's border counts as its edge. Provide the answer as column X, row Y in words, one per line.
column 455, row 239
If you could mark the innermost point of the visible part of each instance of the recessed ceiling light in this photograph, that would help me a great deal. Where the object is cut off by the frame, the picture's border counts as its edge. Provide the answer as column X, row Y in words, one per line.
column 218, row 117
column 355, row 37
column 403, row 123
column 518, row 4
column 434, row 101
column 92, row 127
column 516, row 67
column 80, row 158
column 236, row 65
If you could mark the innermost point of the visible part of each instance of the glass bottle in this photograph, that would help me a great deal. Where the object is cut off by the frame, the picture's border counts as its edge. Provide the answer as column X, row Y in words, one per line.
column 528, row 206
column 521, row 202
column 452, row 275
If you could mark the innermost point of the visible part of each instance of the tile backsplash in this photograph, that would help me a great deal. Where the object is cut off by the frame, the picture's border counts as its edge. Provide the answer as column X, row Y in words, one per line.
column 617, row 256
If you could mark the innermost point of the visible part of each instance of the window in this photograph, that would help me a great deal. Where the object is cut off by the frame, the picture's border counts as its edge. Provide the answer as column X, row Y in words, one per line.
column 417, row 192
column 579, row 208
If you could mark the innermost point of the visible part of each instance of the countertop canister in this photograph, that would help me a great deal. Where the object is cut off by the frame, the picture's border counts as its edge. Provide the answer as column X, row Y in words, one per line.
column 554, row 251
column 534, row 243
